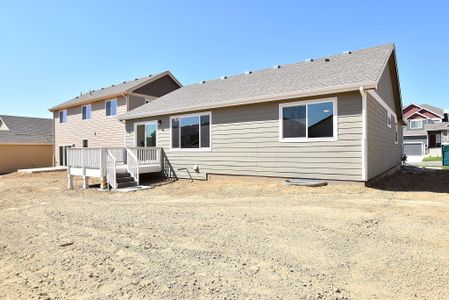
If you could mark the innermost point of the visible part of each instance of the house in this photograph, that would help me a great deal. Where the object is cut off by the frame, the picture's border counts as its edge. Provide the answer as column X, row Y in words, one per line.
column 427, row 129
column 25, row 143
column 332, row 118
column 90, row 120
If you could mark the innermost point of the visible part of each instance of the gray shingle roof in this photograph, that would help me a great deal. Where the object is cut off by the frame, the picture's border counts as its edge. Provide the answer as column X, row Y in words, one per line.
column 24, row 130
column 115, row 89
column 434, row 109
column 336, row 73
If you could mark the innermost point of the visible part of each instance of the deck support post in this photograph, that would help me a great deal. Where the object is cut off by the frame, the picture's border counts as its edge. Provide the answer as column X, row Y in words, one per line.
column 69, row 181
column 103, row 183
column 85, row 182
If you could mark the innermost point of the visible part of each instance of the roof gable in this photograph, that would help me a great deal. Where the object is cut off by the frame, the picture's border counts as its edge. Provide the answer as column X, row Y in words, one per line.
column 114, row 90
column 339, row 73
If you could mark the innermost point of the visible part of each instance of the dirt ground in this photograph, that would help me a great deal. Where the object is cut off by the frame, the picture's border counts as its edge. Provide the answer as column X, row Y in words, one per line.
column 225, row 240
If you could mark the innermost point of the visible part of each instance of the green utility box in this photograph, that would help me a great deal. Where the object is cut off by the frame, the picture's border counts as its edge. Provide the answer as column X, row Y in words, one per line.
column 445, row 153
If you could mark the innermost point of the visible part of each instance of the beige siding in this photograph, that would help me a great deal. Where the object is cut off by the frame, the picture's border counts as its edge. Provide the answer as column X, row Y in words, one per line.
column 385, row 88
column 14, row 157
column 136, row 101
column 383, row 152
column 245, row 141
column 100, row 130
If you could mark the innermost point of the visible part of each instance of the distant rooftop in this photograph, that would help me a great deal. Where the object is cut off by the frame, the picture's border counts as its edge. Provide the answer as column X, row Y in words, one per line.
column 25, row 130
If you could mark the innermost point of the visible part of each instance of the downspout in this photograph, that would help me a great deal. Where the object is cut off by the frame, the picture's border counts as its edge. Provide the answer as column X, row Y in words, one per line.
column 364, row 134
column 124, row 121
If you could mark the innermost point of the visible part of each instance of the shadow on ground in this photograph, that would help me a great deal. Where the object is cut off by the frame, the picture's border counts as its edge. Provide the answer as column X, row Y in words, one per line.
column 414, row 179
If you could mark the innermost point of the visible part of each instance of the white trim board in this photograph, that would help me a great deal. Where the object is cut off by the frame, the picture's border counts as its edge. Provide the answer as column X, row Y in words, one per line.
column 198, row 114
column 381, row 101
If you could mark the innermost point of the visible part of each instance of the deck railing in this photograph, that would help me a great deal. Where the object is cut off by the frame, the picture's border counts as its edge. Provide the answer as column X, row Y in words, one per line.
column 84, row 158
column 147, row 155
column 133, row 165
column 105, row 160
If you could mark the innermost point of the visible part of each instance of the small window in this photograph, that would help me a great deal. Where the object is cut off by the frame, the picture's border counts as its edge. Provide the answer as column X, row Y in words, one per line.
column 416, row 124
column 85, row 143
column 389, row 116
column 111, row 107
column 191, row 132
column 85, row 112
column 63, row 116
column 310, row 121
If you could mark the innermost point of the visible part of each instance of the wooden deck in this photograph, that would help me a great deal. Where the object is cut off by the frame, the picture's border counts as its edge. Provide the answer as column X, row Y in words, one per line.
column 117, row 167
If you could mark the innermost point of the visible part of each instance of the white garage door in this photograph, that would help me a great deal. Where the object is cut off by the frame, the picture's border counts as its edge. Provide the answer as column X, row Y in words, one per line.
column 413, row 149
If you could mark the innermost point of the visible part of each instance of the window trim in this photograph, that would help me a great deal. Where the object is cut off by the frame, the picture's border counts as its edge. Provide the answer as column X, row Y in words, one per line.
column 334, row 101
column 90, row 112
column 66, row 116
column 198, row 114
column 389, row 121
column 106, row 110
column 145, row 124
column 419, row 120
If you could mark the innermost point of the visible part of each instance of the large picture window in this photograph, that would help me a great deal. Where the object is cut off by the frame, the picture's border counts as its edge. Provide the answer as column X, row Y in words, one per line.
column 191, row 132
column 308, row 121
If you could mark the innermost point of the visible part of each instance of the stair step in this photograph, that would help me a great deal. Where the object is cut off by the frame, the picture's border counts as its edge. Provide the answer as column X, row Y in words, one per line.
column 122, row 185
column 124, row 179
column 122, row 174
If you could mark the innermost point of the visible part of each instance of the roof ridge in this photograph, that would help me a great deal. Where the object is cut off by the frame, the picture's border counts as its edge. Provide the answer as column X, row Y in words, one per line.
column 120, row 83
column 295, row 63
column 41, row 118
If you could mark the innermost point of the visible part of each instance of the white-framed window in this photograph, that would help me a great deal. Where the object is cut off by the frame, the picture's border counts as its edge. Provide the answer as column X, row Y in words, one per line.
column 416, row 124
column 307, row 121
column 86, row 112
column 85, row 143
column 389, row 117
column 191, row 132
column 111, row 107
column 63, row 116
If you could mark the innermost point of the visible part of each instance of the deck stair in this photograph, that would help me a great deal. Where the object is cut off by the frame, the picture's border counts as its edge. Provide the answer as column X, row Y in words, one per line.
column 125, row 179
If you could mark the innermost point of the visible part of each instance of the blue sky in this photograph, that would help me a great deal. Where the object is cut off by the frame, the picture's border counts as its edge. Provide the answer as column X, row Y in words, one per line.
column 50, row 51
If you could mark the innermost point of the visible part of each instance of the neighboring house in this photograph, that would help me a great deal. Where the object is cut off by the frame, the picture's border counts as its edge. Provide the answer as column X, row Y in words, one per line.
column 90, row 120
column 25, row 143
column 332, row 118
column 427, row 129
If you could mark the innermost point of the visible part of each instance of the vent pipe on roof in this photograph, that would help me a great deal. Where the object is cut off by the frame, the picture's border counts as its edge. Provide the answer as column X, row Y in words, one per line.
column 327, row 60
column 277, row 67
column 248, row 72
column 347, row 52
column 223, row 77
column 202, row 82
column 309, row 60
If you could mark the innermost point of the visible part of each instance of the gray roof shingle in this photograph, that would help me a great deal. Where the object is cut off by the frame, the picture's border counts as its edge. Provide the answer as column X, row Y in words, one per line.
column 334, row 73
column 113, row 90
column 24, row 130
column 433, row 109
